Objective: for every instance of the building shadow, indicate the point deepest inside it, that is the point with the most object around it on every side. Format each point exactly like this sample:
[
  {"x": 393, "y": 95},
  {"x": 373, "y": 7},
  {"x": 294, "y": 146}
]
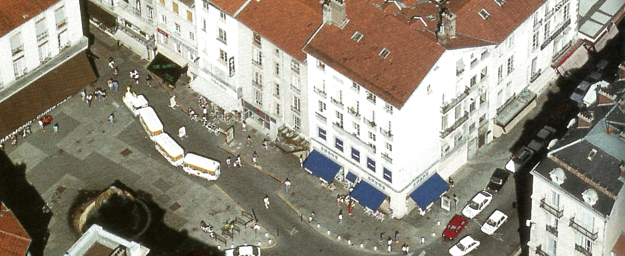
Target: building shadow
[{"x": 24, "y": 200}]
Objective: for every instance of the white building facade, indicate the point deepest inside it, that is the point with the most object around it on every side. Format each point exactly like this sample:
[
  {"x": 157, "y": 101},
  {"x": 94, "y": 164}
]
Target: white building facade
[{"x": 176, "y": 33}]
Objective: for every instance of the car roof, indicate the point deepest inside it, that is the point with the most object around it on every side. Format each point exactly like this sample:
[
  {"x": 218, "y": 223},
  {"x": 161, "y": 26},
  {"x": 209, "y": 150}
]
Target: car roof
[
  {"x": 480, "y": 196},
  {"x": 466, "y": 240},
  {"x": 497, "y": 214},
  {"x": 501, "y": 173},
  {"x": 457, "y": 220}
]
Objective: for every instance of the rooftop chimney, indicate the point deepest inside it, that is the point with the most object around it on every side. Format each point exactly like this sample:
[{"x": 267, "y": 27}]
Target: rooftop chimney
[
  {"x": 584, "y": 119},
  {"x": 622, "y": 168},
  {"x": 621, "y": 70},
  {"x": 334, "y": 12},
  {"x": 605, "y": 97},
  {"x": 446, "y": 27}
]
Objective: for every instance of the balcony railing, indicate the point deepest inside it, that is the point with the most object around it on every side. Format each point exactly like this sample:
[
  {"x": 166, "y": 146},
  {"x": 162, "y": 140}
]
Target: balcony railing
[
  {"x": 583, "y": 230},
  {"x": 371, "y": 123},
  {"x": 552, "y": 230},
  {"x": 321, "y": 118},
  {"x": 535, "y": 76},
  {"x": 538, "y": 24},
  {"x": 320, "y": 92},
  {"x": 295, "y": 109},
  {"x": 386, "y": 133},
  {"x": 17, "y": 50},
  {"x": 42, "y": 35},
  {"x": 446, "y": 107},
  {"x": 61, "y": 23},
  {"x": 387, "y": 158},
  {"x": 457, "y": 124},
  {"x": 257, "y": 83},
  {"x": 551, "y": 209},
  {"x": 540, "y": 252},
  {"x": 336, "y": 102},
  {"x": 583, "y": 250},
  {"x": 136, "y": 11},
  {"x": 353, "y": 112}
]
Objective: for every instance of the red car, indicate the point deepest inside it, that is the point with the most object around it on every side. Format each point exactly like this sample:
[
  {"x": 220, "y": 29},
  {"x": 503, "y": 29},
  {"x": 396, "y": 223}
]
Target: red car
[{"x": 456, "y": 224}]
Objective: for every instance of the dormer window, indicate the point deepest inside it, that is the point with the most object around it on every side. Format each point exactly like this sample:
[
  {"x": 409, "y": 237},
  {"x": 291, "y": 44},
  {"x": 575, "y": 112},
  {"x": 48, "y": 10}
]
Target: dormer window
[
  {"x": 500, "y": 2},
  {"x": 384, "y": 53},
  {"x": 592, "y": 154},
  {"x": 357, "y": 36},
  {"x": 484, "y": 14}
]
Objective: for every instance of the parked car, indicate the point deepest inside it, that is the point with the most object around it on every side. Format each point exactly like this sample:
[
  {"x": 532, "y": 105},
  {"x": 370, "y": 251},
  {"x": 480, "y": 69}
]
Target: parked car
[
  {"x": 465, "y": 246},
  {"x": 542, "y": 137},
  {"x": 455, "y": 225},
  {"x": 243, "y": 250},
  {"x": 519, "y": 159},
  {"x": 498, "y": 179},
  {"x": 495, "y": 220},
  {"x": 477, "y": 204}
]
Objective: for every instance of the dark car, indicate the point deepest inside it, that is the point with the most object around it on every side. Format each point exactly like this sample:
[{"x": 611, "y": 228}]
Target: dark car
[
  {"x": 498, "y": 179},
  {"x": 456, "y": 224}
]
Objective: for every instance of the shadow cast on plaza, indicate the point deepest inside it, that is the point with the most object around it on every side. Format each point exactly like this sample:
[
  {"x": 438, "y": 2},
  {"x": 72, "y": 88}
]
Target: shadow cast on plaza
[{"x": 25, "y": 202}]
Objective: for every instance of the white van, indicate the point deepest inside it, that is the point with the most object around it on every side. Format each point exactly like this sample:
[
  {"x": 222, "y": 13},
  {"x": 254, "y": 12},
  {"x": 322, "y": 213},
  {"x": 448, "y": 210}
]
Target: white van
[
  {"x": 134, "y": 102},
  {"x": 150, "y": 122},
  {"x": 169, "y": 149},
  {"x": 201, "y": 166}
]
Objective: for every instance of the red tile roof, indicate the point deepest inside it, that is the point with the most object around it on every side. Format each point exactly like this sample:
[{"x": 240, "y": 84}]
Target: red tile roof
[
  {"x": 286, "y": 23},
  {"x": 12, "y": 12},
  {"x": 393, "y": 79},
  {"x": 229, "y": 6},
  {"x": 14, "y": 241},
  {"x": 619, "y": 247}
]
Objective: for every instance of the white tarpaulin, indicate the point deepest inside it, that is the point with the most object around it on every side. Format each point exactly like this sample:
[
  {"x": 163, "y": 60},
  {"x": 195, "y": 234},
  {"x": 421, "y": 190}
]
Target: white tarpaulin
[{"x": 217, "y": 92}]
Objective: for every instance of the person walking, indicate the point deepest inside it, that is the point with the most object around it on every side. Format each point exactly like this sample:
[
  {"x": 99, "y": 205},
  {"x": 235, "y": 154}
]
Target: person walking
[
  {"x": 89, "y": 99},
  {"x": 404, "y": 249},
  {"x": 115, "y": 72},
  {"x": 238, "y": 161},
  {"x": 111, "y": 118},
  {"x": 115, "y": 84},
  {"x": 243, "y": 126},
  {"x": 389, "y": 242},
  {"x": 341, "y": 217},
  {"x": 396, "y": 236},
  {"x": 55, "y": 128},
  {"x": 111, "y": 62},
  {"x": 264, "y": 144},
  {"x": 228, "y": 161},
  {"x": 148, "y": 80},
  {"x": 249, "y": 141},
  {"x": 255, "y": 158},
  {"x": 455, "y": 199},
  {"x": 301, "y": 161},
  {"x": 266, "y": 201},
  {"x": 350, "y": 208},
  {"x": 83, "y": 94},
  {"x": 103, "y": 94},
  {"x": 287, "y": 184}
]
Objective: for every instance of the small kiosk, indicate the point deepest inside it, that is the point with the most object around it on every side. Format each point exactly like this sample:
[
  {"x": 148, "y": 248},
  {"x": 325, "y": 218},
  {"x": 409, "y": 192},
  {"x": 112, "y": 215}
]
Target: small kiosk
[
  {"x": 169, "y": 149},
  {"x": 150, "y": 122},
  {"x": 134, "y": 102},
  {"x": 201, "y": 166}
]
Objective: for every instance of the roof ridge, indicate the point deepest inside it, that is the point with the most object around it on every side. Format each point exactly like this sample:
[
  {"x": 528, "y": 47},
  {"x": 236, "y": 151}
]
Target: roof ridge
[
  {"x": 583, "y": 177},
  {"x": 15, "y": 235}
]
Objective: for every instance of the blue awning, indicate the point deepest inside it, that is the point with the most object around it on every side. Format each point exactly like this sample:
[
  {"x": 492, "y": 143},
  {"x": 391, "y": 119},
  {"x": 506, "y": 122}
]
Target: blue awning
[
  {"x": 368, "y": 195},
  {"x": 429, "y": 191},
  {"x": 321, "y": 166},
  {"x": 351, "y": 177}
]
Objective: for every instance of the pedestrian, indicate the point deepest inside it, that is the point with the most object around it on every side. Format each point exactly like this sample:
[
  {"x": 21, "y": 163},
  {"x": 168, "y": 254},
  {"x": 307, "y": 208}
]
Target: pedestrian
[
  {"x": 83, "y": 93},
  {"x": 111, "y": 118},
  {"x": 103, "y": 94},
  {"x": 396, "y": 236},
  {"x": 255, "y": 158},
  {"x": 451, "y": 182},
  {"x": 266, "y": 201},
  {"x": 338, "y": 201},
  {"x": 55, "y": 128},
  {"x": 265, "y": 142},
  {"x": 89, "y": 99},
  {"x": 404, "y": 249},
  {"x": 111, "y": 62},
  {"x": 228, "y": 161},
  {"x": 148, "y": 80},
  {"x": 238, "y": 162},
  {"x": 249, "y": 141},
  {"x": 43, "y": 129},
  {"x": 389, "y": 242},
  {"x": 287, "y": 184},
  {"x": 115, "y": 72},
  {"x": 350, "y": 208},
  {"x": 243, "y": 126},
  {"x": 341, "y": 217},
  {"x": 301, "y": 161},
  {"x": 455, "y": 199},
  {"x": 98, "y": 93},
  {"x": 115, "y": 84}
]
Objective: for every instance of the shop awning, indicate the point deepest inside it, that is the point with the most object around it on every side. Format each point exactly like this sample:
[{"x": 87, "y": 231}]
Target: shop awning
[
  {"x": 166, "y": 69},
  {"x": 368, "y": 196},
  {"x": 218, "y": 92},
  {"x": 321, "y": 166},
  {"x": 101, "y": 15},
  {"x": 351, "y": 177},
  {"x": 429, "y": 191}
]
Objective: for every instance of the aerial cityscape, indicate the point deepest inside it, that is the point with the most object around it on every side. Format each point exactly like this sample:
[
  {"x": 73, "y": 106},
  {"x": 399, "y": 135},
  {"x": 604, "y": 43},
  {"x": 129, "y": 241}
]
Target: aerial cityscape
[{"x": 312, "y": 127}]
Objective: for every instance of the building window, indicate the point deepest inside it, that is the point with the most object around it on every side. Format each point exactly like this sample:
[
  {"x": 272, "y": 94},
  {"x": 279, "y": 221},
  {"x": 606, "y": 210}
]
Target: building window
[
  {"x": 40, "y": 29},
  {"x": 297, "y": 123},
  {"x": 388, "y": 175},
  {"x": 18, "y": 67},
  {"x": 277, "y": 68},
  {"x": 321, "y": 65},
  {"x": 164, "y": 18},
  {"x": 483, "y": 73},
  {"x": 203, "y": 24},
  {"x": 150, "y": 12},
  {"x": 295, "y": 66},
  {"x": 258, "y": 78},
  {"x": 500, "y": 74},
  {"x": 221, "y": 35},
  {"x": 384, "y": 53},
  {"x": 277, "y": 90},
  {"x": 510, "y": 64},
  {"x": 223, "y": 56},
  {"x": 296, "y": 103},
  {"x": 258, "y": 95},
  {"x": 295, "y": 81},
  {"x": 177, "y": 27},
  {"x": 389, "y": 108},
  {"x": 473, "y": 81},
  {"x": 191, "y": 36},
  {"x": 547, "y": 25},
  {"x": 338, "y": 144},
  {"x": 356, "y": 155},
  {"x": 257, "y": 57},
  {"x": 339, "y": 116},
  {"x": 372, "y": 136},
  {"x": 59, "y": 15},
  {"x": 551, "y": 246},
  {"x": 389, "y": 146},
  {"x": 356, "y": 86},
  {"x": 322, "y": 106},
  {"x": 257, "y": 39},
  {"x": 205, "y": 4},
  {"x": 189, "y": 16},
  {"x": 371, "y": 97},
  {"x": 322, "y": 134},
  {"x": 535, "y": 41},
  {"x": 511, "y": 41},
  {"x": 222, "y": 15},
  {"x": 533, "y": 66},
  {"x": 16, "y": 44},
  {"x": 174, "y": 7},
  {"x": 357, "y": 128},
  {"x": 371, "y": 164},
  {"x": 277, "y": 108},
  {"x": 44, "y": 54}
]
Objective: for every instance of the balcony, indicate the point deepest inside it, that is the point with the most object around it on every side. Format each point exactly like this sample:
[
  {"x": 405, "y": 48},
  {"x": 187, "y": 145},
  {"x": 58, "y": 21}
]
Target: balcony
[
  {"x": 295, "y": 109},
  {"x": 336, "y": 102},
  {"x": 61, "y": 23},
  {"x": 583, "y": 250},
  {"x": 295, "y": 88},
  {"x": 386, "y": 133},
  {"x": 387, "y": 158},
  {"x": 320, "y": 92},
  {"x": 540, "y": 252},
  {"x": 371, "y": 123},
  {"x": 353, "y": 112},
  {"x": 17, "y": 50},
  {"x": 538, "y": 25},
  {"x": 457, "y": 124},
  {"x": 41, "y": 36},
  {"x": 535, "y": 76},
  {"x": 257, "y": 84},
  {"x": 446, "y": 107},
  {"x": 552, "y": 230},
  {"x": 257, "y": 62},
  {"x": 583, "y": 230},
  {"x": 321, "y": 118},
  {"x": 136, "y": 11},
  {"x": 338, "y": 127},
  {"x": 551, "y": 209}
]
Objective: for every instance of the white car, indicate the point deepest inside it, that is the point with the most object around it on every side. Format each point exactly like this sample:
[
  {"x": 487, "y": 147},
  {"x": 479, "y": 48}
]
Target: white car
[
  {"x": 466, "y": 245},
  {"x": 477, "y": 204},
  {"x": 494, "y": 222},
  {"x": 243, "y": 250}
]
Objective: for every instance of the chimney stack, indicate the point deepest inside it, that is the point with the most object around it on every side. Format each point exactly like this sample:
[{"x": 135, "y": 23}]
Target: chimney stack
[
  {"x": 621, "y": 70},
  {"x": 605, "y": 97},
  {"x": 446, "y": 27},
  {"x": 622, "y": 169},
  {"x": 334, "y": 12},
  {"x": 584, "y": 119}
]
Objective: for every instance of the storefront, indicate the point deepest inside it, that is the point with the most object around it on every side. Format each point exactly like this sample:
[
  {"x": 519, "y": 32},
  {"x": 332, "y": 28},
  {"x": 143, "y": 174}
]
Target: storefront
[
  {"x": 253, "y": 113},
  {"x": 217, "y": 92},
  {"x": 166, "y": 69}
]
